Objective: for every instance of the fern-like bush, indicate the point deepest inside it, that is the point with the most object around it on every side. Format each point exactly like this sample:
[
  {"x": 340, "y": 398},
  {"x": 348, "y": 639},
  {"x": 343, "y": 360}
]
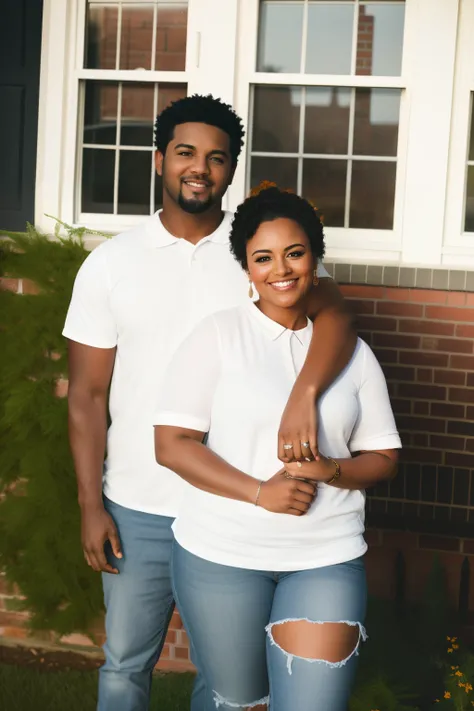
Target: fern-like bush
[{"x": 39, "y": 518}]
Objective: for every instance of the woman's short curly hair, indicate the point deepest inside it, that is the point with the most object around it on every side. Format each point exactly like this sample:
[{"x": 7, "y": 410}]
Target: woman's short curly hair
[{"x": 268, "y": 205}]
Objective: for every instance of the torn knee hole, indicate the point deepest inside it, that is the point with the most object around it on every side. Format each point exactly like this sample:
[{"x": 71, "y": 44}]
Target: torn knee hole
[
  {"x": 259, "y": 705},
  {"x": 332, "y": 643}
]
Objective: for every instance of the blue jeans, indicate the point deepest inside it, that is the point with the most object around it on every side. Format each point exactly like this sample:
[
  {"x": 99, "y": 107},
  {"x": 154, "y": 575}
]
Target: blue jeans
[
  {"x": 229, "y": 613},
  {"x": 139, "y": 604}
]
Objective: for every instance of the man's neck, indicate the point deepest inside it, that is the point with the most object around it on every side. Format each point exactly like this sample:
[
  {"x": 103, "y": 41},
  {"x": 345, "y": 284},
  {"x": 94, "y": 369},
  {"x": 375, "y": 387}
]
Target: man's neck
[{"x": 190, "y": 227}]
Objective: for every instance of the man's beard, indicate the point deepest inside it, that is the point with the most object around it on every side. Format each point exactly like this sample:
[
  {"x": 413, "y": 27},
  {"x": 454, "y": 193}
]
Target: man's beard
[{"x": 194, "y": 207}]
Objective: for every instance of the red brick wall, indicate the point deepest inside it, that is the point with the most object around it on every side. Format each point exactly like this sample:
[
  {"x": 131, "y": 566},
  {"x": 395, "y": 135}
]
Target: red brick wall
[{"x": 424, "y": 341}]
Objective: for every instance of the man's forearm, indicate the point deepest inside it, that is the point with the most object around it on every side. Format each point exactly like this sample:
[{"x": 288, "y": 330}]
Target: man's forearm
[
  {"x": 331, "y": 348},
  {"x": 87, "y": 437}
]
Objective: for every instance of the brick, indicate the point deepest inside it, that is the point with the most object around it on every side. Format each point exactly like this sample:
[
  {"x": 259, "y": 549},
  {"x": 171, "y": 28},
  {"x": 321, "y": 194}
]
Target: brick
[
  {"x": 462, "y": 362},
  {"x": 181, "y": 652},
  {"x": 469, "y": 379},
  {"x": 461, "y": 428},
  {"x": 397, "y": 294},
  {"x": 61, "y": 387},
  {"x": 441, "y": 409},
  {"x": 376, "y": 323},
  {"x": 29, "y": 287},
  {"x": 450, "y": 377},
  {"x": 449, "y": 313},
  {"x": 424, "y": 456},
  {"x": 424, "y": 392},
  {"x": 171, "y": 636},
  {"x": 166, "y": 652},
  {"x": 457, "y": 459},
  {"x": 176, "y": 39},
  {"x": 400, "y": 539},
  {"x": 440, "y": 543},
  {"x": 470, "y": 445},
  {"x": 13, "y": 632},
  {"x": 451, "y": 345},
  {"x": 385, "y": 355},
  {"x": 9, "y": 284},
  {"x": 422, "y": 424},
  {"x": 396, "y": 340},
  {"x": 461, "y": 395},
  {"x": 176, "y": 623},
  {"x": 428, "y": 296},
  {"x": 464, "y": 331},
  {"x": 362, "y": 306},
  {"x": 397, "y": 308},
  {"x": 468, "y": 547},
  {"x": 456, "y": 298},
  {"x": 401, "y": 407},
  {"x": 470, "y": 413},
  {"x": 373, "y": 537},
  {"x": 77, "y": 640},
  {"x": 396, "y": 372},
  {"x": 360, "y": 291},
  {"x": 424, "y": 375},
  {"x": 445, "y": 442},
  {"x": 418, "y": 440},
  {"x": 436, "y": 328},
  {"x": 421, "y": 408},
  {"x": 437, "y": 360},
  {"x": 13, "y": 619},
  {"x": 469, "y": 299}
]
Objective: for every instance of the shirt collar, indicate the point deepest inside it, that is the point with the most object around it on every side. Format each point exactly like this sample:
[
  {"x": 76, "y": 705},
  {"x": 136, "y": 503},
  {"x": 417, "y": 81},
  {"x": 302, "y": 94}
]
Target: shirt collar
[
  {"x": 275, "y": 330},
  {"x": 158, "y": 236}
]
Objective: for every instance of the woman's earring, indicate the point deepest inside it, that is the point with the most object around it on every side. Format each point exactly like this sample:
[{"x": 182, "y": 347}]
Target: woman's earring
[
  {"x": 315, "y": 278},
  {"x": 250, "y": 290}
]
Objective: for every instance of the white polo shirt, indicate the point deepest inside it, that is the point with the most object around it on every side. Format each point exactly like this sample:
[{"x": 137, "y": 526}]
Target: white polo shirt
[
  {"x": 143, "y": 291},
  {"x": 232, "y": 378}
]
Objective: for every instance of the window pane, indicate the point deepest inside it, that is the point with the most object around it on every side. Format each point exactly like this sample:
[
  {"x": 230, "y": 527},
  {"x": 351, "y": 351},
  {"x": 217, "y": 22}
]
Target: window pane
[
  {"x": 137, "y": 115},
  {"x": 136, "y": 36},
  {"x": 134, "y": 182},
  {"x": 372, "y": 195},
  {"x": 469, "y": 222},
  {"x": 471, "y": 142},
  {"x": 329, "y": 42},
  {"x": 324, "y": 183},
  {"x": 326, "y": 128},
  {"x": 171, "y": 37},
  {"x": 101, "y": 41},
  {"x": 280, "y": 37},
  {"x": 276, "y": 119},
  {"x": 377, "y": 114},
  {"x": 98, "y": 180},
  {"x": 380, "y": 39},
  {"x": 100, "y": 112},
  {"x": 170, "y": 92},
  {"x": 282, "y": 171}
]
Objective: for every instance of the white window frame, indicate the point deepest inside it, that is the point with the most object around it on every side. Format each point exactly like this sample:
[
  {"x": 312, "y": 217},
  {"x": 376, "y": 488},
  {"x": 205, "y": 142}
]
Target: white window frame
[
  {"x": 459, "y": 245},
  {"x": 212, "y": 28},
  {"x": 427, "y": 68}
]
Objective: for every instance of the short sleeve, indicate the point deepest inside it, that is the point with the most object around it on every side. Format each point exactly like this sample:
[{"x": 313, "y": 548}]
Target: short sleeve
[
  {"x": 189, "y": 383},
  {"x": 375, "y": 427},
  {"x": 89, "y": 319},
  {"x": 321, "y": 272}
]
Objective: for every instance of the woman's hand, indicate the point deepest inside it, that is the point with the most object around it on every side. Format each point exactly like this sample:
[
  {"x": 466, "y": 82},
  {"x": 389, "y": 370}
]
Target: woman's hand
[
  {"x": 299, "y": 426},
  {"x": 286, "y": 495},
  {"x": 318, "y": 471}
]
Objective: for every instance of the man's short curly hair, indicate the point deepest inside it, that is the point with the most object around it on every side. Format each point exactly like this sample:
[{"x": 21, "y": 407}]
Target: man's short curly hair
[
  {"x": 200, "y": 109},
  {"x": 268, "y": 205}
]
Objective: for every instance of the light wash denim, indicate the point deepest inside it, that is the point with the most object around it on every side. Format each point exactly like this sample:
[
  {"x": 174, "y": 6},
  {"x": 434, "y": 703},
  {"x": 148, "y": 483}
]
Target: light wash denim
[
  {"x": 229, "y": 614},
  {"x": 139, "y": 604}
]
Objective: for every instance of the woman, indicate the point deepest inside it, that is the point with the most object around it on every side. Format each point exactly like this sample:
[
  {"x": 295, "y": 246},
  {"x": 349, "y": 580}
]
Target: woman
[{"x": 268, "y": 562}]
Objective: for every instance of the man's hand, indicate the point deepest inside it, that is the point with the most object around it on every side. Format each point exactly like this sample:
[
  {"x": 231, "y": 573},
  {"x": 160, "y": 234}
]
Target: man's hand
[
  {"x": 299, "y": 427},
  {"x": 285, "y": 495},
  {"x": 321, "y": 470},
  {"x": 97, "y": 527}
]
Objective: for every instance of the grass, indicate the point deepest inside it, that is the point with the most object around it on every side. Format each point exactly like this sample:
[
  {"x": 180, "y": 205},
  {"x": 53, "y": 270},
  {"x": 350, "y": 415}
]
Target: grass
[{"x": 23, "y": 689}]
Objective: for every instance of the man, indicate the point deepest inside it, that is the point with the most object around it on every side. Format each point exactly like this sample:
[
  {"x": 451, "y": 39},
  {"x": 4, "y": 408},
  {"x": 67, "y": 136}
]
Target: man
[{"x": 135, "y": 299}]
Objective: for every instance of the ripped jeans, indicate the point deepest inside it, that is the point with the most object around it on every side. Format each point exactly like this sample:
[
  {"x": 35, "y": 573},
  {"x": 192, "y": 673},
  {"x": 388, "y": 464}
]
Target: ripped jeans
[{"x": 230, "y": 614}]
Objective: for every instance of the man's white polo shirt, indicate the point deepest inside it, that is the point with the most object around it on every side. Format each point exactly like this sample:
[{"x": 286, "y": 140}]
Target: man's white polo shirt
[{"x": 143, "y": 291}]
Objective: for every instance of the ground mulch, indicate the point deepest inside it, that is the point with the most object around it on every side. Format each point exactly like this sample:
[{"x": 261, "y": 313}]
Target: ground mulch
[{"x": 47, "y": 660}]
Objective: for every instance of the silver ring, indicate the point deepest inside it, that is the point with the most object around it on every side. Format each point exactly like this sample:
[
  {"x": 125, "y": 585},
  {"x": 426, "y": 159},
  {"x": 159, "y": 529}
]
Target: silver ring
[
  {"x": 305, "y": 444},
  {"x": 287, "y": 446}
]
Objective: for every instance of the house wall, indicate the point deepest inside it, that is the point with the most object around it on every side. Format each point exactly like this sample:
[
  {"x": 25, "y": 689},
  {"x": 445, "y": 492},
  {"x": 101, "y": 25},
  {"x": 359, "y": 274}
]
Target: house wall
[{"x": 420, "y": 324}]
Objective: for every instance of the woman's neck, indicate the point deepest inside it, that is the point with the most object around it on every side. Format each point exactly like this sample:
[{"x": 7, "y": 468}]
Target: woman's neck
[{"x": 293, "y": 318}]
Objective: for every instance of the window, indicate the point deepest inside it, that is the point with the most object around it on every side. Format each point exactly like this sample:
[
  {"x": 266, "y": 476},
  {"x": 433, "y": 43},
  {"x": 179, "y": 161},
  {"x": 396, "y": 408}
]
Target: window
[
  {"x": 469, "y": 202},
  {"x": 116, "y": 174},
  {"x": 333, "y": 135}
]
